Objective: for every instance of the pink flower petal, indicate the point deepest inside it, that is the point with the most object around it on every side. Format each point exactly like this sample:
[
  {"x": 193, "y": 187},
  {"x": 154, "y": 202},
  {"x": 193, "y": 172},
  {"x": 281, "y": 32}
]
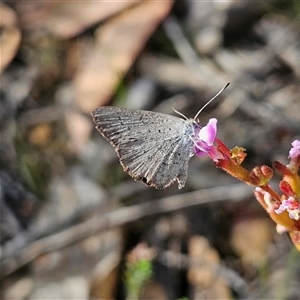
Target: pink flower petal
[
  {"x": 208, "y": 133},
  {"x": 295, "y": 150}
]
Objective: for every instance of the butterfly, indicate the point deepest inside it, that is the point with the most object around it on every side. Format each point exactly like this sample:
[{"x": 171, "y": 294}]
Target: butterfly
[{"x": 152, "y": 147}]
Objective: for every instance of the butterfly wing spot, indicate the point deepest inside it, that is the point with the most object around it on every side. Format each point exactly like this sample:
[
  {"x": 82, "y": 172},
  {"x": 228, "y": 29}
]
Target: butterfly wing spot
[
  {"x": 132, "y": 140},
  {"x": 143, "y": 179}
]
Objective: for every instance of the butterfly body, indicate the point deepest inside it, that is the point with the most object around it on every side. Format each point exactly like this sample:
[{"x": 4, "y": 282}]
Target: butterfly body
[{"x": 152, "y": 147}]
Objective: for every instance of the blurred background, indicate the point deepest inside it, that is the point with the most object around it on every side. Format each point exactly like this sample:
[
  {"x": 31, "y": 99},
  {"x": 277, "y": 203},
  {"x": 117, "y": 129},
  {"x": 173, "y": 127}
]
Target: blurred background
[{"x": 73, "y": 224}]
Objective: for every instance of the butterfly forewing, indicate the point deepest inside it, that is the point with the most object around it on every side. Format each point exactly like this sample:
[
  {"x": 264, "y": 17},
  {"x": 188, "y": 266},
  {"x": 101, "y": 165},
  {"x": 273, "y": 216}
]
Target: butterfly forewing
[{"x": 152, "y": 147}]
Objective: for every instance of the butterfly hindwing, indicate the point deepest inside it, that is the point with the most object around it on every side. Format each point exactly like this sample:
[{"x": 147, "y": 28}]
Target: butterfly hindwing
[{"x": 152, "y": 147}]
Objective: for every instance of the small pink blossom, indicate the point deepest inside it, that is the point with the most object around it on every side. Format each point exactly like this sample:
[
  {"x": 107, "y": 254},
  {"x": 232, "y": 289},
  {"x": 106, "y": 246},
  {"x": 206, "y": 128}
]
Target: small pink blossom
[
  {"x": 204, "y": 142},
  {"x": 294, "y": 153},
  {"x": 291, "y": 206}
]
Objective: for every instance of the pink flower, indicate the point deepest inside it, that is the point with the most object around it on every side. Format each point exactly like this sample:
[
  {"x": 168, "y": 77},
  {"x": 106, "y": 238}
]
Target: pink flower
[
  {"x": 204, "y": 141},
  {"x": 294, "y": 153},
  {"x": 291, "y": 206}
]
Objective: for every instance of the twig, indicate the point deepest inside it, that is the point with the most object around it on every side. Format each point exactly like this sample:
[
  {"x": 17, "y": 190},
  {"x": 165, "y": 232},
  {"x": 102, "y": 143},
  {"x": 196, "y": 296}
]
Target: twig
[
  {"x": 190, "y": 57},
  {"x": 117, "y": 218}
]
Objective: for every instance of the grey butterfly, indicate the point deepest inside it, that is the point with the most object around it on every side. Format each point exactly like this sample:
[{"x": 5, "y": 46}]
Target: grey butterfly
[{"x": 152, "y": 147}]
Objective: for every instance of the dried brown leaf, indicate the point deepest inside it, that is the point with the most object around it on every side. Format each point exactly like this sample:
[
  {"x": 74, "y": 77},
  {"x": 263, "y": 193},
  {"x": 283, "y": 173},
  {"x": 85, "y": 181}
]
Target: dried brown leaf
[
  {"x": 204, "y": 278},
  {"x": 79, "y": 128},
  {"x": 10, "y": 35},
  {"x": 67, "y": 19},
  {"x": 251, "y": 238},
  {"x": 117, "y": 45}
]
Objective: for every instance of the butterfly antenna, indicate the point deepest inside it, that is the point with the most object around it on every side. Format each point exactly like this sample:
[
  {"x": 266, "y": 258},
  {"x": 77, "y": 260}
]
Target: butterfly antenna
[
  {"x": 211, "y": 100},
  {"x": 181, "y": 114}
]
